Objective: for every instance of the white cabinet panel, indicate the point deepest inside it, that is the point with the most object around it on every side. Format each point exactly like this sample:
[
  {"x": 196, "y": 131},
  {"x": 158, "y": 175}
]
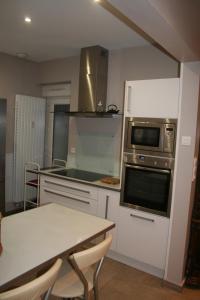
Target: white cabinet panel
[
  {"x": 108, "y": 208},
  {"x": 86, "y": 205},
  {"x": 155, "y": 98},
  {"x": 71, "y": 194},
  {"x": 68, "y": 186},
  {"x": 143, "y": 236}
]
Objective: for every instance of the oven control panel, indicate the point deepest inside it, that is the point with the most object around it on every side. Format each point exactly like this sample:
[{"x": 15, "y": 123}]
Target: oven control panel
[{"x": 150, "y": 161}]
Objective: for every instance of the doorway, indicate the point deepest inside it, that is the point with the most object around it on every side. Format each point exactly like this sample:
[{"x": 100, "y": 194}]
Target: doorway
[{"x": 60, "y": 132}]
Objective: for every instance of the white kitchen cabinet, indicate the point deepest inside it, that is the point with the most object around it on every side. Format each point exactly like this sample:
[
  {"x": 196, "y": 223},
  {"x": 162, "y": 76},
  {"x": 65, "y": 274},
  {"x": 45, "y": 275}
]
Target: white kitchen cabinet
[
  {"x": 143, "y": 236},
  {"x": 138, "y": 235},
  {"x": 70, "y": 194},
  {"x": 154, "y": 98},
  {"x": 72, "y": 187},
  {"x": 108, "y": 208}
]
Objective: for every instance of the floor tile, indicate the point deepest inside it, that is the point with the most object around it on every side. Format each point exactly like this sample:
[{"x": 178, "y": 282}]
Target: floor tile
[{"x": 120, "y": 282}]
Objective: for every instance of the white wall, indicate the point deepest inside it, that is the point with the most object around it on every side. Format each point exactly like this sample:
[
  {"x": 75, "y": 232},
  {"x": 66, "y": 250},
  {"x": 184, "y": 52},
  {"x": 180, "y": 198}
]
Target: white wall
[
  {"x": 183, "y": 177},
  {"x": 17, "y": 76}
]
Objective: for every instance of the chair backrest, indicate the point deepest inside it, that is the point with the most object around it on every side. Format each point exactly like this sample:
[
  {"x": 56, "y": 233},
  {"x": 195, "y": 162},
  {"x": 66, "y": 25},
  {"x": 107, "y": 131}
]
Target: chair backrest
[
  {"x": 35, "y": 288},
  {"x": 92, "y": 255}
]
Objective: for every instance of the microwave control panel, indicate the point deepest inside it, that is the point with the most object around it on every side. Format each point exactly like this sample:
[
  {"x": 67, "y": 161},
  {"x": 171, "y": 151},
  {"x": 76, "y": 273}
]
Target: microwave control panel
[{"x": 169, "y": 138}]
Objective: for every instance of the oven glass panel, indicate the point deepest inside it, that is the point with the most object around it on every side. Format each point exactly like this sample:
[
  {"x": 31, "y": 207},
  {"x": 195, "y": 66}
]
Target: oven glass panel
[
  {"x": 147, "y": 189},
  {"x": 145, "y": 136}
]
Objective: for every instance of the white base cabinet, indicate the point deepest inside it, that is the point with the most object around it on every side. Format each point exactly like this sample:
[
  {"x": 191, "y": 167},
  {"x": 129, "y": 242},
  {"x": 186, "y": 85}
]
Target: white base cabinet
[
  {"x": 86, "y": 198},
  {"x": 70, "y": 194},
  {"x": 143, "y": 236}
]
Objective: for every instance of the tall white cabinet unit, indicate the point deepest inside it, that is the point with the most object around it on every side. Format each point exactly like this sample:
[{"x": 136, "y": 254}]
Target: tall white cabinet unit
[
  {"x": 143, "y": 236},
  {"x": 155, "y": 98}
]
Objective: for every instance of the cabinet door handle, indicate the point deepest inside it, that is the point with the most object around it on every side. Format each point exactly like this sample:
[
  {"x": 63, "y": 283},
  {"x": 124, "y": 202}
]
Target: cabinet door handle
[
  {"x": 148, "y": 169},
  {"x": 143, "y": 218},
  {"x": 67, "y": 186},
  {"x": 129, "y": 99},
  {"x": 66, "y": 196},
  {"x": 106, "y": 211}
]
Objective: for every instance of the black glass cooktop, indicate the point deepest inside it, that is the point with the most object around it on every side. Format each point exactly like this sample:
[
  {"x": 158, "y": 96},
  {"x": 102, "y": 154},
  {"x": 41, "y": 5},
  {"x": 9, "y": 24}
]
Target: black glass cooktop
[{"x": 79, "y": 174}]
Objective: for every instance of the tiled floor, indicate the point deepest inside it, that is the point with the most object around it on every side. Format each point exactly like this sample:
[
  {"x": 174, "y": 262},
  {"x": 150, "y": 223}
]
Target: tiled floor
[{"x": 120, "y": 282}]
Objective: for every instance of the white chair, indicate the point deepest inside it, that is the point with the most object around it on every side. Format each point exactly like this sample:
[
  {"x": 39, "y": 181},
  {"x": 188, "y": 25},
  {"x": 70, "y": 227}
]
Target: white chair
[
  {"x": 83, "y": 278},
  {"x": 37, "y": 288}
]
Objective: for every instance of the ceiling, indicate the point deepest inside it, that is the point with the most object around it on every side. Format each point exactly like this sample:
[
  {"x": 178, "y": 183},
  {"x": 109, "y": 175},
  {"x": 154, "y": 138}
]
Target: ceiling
[
  {"x": 59, "y": 28},
  {"x": 172, "y": 24}
]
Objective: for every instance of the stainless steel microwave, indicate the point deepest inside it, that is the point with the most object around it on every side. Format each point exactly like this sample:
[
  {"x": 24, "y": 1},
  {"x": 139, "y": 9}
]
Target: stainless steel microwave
[{"x": 150, "y": 135}]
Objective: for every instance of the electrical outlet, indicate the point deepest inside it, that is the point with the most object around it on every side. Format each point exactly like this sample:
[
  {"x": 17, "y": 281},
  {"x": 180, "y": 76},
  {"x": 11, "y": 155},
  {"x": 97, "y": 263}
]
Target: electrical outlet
[
  {"x": 73, "y": 150},
  {"x": 186, "y": 140}
]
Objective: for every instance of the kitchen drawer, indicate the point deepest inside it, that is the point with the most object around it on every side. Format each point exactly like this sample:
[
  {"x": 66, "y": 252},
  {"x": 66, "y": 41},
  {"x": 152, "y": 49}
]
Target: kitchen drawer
[
  {"x": 86, "y": 205},
  {"x": 68, "y": 186},
  {"x": 143, "y": 236}
]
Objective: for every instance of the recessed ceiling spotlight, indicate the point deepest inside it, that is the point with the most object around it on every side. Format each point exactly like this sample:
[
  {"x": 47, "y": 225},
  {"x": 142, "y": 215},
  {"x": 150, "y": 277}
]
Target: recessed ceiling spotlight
[
  {"x": 27, "y": 19},
  {"x": 97, "y": 0}
]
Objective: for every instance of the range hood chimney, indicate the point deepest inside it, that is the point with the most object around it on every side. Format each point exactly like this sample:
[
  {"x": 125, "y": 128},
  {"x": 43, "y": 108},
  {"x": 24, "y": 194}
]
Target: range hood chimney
[{"x": 93, "y": 79}]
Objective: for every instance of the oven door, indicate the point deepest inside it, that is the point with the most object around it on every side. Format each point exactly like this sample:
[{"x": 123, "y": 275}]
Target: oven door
[
  {"x": 147, "y": 189},
  {"x": 144, "y": 136}
]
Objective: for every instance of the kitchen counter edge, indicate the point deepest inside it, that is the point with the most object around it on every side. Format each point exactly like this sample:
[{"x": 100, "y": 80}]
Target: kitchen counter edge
[{"x": 98, "y": 183}]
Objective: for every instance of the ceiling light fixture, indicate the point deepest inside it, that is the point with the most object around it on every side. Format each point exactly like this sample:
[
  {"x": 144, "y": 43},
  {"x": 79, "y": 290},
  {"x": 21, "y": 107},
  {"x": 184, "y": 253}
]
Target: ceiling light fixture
[
  {"x": 97, "y": 0},
  {"x": 27, "y": 19}
]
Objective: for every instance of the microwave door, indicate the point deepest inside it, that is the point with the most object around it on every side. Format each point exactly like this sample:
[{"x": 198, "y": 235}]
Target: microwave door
[{"x": 143, "y": 136}]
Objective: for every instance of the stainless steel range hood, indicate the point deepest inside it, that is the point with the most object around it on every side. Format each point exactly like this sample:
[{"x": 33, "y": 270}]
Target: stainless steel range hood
[
  {"x": 93, "y": 79},
  {"x": 93, "y": 83}
]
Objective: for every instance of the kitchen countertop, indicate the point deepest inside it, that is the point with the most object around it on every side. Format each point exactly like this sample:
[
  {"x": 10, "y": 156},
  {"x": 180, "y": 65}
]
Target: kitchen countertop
[
  {"x": 97, "y": 183},
  {"x": 55, "y": 231}
]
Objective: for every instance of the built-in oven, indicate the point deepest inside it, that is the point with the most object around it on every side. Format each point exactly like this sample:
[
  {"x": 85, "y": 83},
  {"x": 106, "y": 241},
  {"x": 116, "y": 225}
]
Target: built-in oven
[
  {"x": 150, "y": 135},
  {"x": 147, "y": 183}
]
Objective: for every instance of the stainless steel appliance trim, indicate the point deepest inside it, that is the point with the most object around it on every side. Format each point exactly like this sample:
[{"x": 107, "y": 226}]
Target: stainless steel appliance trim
[
  {"x": 143, "y": 218},
  {"x": 151, "y": 122},
  {"x": 106, "y": 211},
  {"x": 69, "y": 187},
  {"x": 66, "y": 196},
  {"x": 149, "y": 160},
  {"x": 157, "y": 170}
]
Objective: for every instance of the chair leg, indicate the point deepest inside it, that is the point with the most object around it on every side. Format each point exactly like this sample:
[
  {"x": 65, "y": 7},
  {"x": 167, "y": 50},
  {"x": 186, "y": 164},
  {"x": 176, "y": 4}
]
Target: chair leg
[{"x": 96, "y": 293}]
